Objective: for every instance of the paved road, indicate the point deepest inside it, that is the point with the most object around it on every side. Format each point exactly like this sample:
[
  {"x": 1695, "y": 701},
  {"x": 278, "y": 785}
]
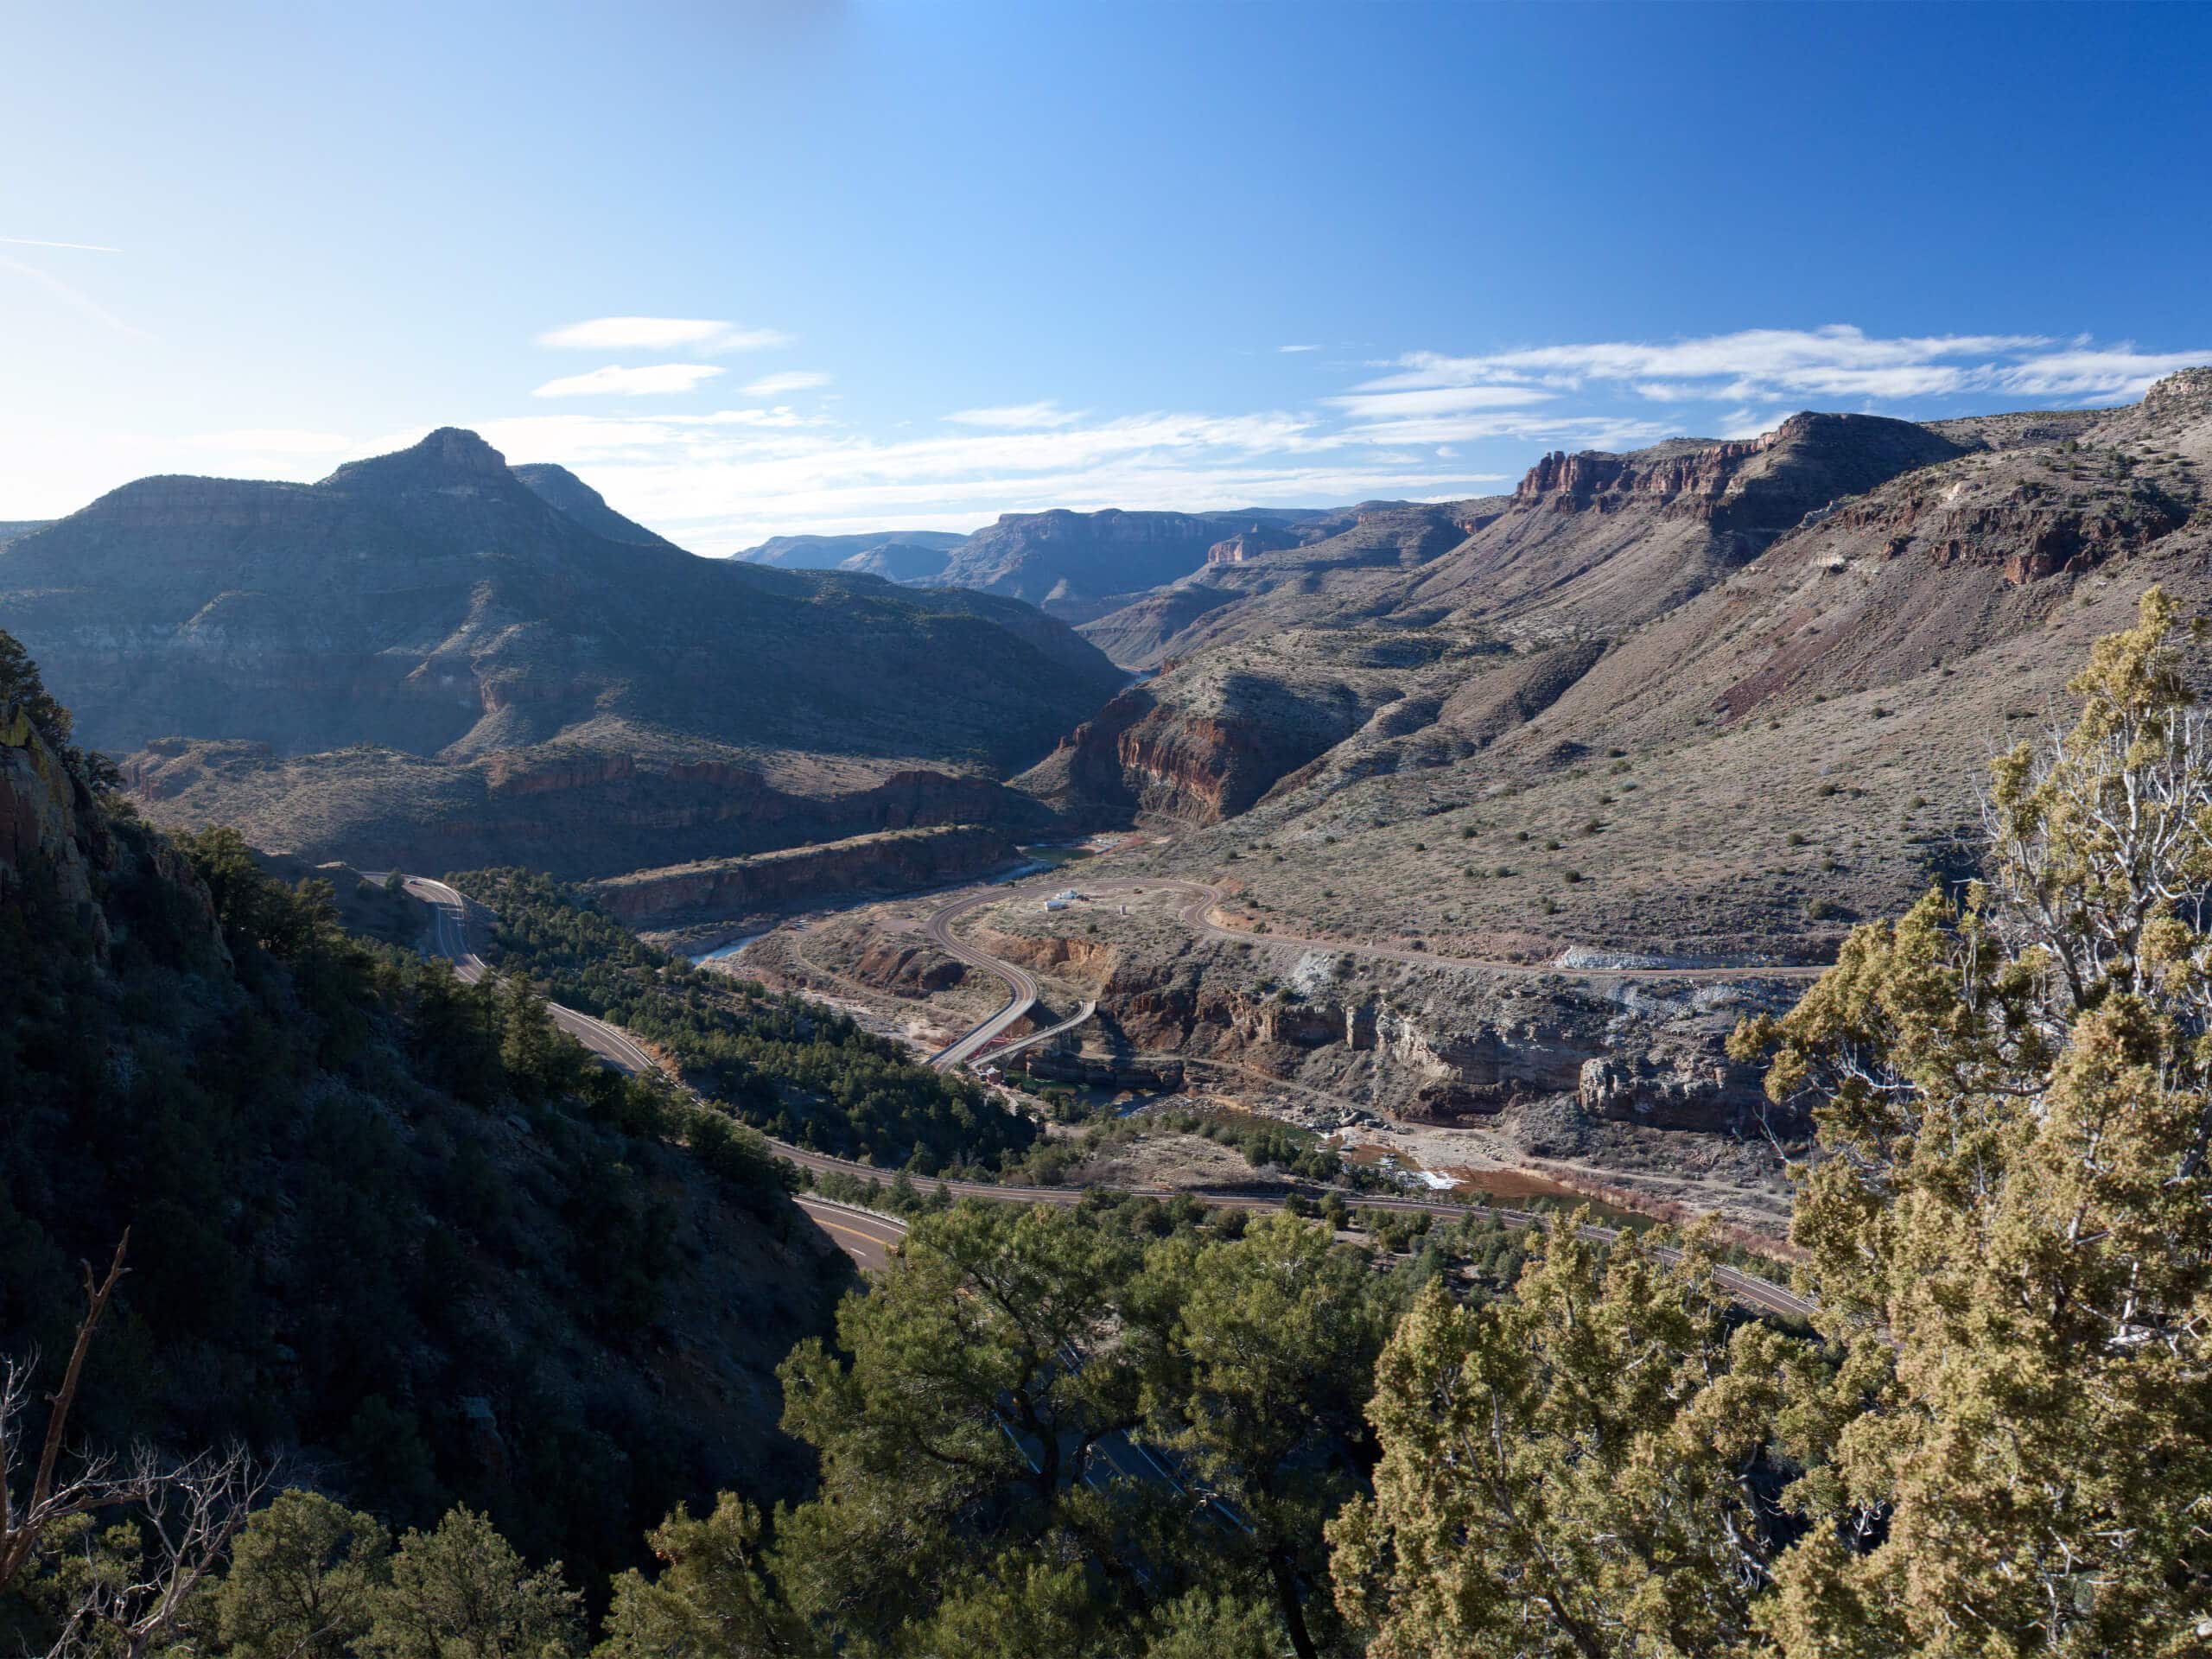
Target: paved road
[
  {"x": 1046, "y": 1035},
  {"x": 872, "y": 1232},
  {"x": 866, "y": 1237},
  {"x": 449, "y": 913},
  {"x": 1020, "y": 983}
]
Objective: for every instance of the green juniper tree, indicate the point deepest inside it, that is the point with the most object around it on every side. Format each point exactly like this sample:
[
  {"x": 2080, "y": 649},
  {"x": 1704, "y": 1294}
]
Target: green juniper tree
[
  {"x": 2009, "y": 1223},
  {"x": 1575, "y": 1470}
]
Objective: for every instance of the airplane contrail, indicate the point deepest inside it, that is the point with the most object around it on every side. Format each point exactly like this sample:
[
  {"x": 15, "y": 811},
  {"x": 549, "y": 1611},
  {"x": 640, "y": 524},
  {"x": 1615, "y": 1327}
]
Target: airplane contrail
[{"x": 77, "y": 247}]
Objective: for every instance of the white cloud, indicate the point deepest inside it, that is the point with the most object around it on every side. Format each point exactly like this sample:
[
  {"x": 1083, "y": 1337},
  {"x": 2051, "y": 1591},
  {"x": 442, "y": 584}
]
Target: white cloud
[
  {"x": 1836, "y": 364},
  {"x": 661, "y": 335},
  {"x": 614, "y": 381},
  {"x": 1017, "y": 414},
  {"x": 1298, "y": 348},
  {"x": 2115, "y": 374},
  {"x": 1437, "y": 400},
  {"x": 73, "y": 247},
  {"x": 771, "y": 385},
  {"x": 1586, "y": 431}
]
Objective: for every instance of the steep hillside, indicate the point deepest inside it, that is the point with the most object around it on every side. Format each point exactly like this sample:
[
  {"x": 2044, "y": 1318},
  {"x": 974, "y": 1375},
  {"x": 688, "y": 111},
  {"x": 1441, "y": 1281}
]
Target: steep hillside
[
  {"x": 1656, "y": 703},
  {"x": 561, "y": 488},
  {"x": 426, "y": 652},
  {"x": 1073, "y": 565},
  {"x": 397, "y": 1231}
]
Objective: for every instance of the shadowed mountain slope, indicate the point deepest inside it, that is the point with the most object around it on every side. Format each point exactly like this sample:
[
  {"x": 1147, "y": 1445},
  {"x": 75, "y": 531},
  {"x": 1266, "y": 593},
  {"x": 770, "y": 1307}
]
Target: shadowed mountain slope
[
  {"x": 564, "y": 490},
  {"x": 391, "y": 1230},
  {"x": 390, "y": 658}
]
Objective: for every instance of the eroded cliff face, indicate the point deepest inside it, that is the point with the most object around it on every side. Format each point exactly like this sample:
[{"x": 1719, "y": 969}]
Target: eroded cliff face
[
  {"x": 733, "y": 888},
  {"x": 2031, "y": 531},
  {"x": 1221, "y": 743},
  {"x": 1428, "y": 1049},
  {"x": 59, "y": 849},
  {"x": 1755, "y": 489},
  {"x": 48, "y": 829}
]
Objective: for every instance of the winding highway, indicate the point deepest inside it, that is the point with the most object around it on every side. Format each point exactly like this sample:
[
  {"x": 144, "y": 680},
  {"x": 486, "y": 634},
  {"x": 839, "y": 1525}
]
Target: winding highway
[
  {"x": 867, "y": 1236},
  {"x": 1020, "y": 983}
]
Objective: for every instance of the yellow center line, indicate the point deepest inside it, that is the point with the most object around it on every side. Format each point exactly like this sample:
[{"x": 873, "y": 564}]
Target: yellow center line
[{"x": 855, "y": 1232}]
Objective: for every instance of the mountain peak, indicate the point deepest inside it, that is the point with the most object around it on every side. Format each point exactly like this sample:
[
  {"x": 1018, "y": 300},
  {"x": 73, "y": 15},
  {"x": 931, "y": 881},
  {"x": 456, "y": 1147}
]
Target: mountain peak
[{"x": 450, "y": 450}]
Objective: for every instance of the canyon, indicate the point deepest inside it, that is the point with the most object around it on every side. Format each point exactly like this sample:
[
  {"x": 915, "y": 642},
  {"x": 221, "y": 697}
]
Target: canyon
[
  {"x": 1703, "y": 705},
  {"x": 1518, "y": 803}
]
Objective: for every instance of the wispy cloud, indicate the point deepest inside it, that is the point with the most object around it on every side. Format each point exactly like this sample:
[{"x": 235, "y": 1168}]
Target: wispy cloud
[
  {"x": 2095, "y": 374},
  {"x": 662, "y": 334},
  {"x": 1436, "y": 400},
  {"x": 615, "y": 381},
  {"x": 774, "y": 386},
  {"x": 83, "y": 304},
  {"x": 73, "y": 247},
  {"x": 1046, "y": 414},
  {"x": 1298, "y": 348},
  {"x": 1428, "y": 425},
  {"x": 1838, "y": 363}
]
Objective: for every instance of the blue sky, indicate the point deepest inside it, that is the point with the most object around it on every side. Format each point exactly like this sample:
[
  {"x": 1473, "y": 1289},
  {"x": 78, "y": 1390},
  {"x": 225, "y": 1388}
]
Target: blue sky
[{"x": 781, "y": 267}]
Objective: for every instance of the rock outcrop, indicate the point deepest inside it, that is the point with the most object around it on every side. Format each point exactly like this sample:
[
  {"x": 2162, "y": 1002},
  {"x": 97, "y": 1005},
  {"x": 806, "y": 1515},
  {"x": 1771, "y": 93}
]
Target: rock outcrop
[
  {"x": 48, "y": 832},
  {"x": 1452, "y": 1053},
  {"x": 1754, "y": 489}
]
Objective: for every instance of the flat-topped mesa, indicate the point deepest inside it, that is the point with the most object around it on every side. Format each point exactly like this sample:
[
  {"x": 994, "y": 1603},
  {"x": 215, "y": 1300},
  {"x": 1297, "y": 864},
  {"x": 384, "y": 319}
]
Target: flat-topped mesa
[
  {"x": 389, "y": 630},
  {"x": 1598, "y": 477},
  {"x": 175, "y": 502},
  {"x": 1755, "y": 489},
  {"x": 1842, "y": 450}
]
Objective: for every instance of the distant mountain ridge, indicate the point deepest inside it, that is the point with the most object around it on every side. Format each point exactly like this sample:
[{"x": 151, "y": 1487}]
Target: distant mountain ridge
[
  {"x": 402, "y": 656},
  {"x": 894, "y": 554},
  {"x": 1078, "y": 565}
]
